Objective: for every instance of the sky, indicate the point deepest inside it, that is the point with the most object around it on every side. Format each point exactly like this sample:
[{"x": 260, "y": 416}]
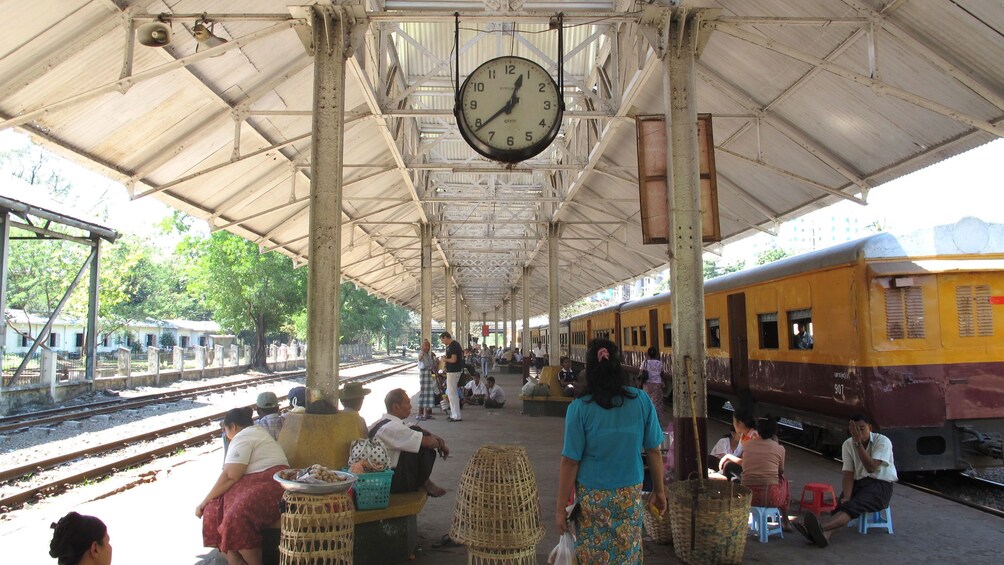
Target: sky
[{"x": 970, "y": 184}]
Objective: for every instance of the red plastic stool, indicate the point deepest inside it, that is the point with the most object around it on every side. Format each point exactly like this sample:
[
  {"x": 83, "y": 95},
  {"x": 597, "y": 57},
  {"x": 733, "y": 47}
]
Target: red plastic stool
[{"x": 818, "y": 503}]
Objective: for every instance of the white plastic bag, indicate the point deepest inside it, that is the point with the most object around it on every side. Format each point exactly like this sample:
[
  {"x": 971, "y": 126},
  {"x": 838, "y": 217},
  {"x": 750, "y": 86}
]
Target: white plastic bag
[{"x": 564, "y": 552}]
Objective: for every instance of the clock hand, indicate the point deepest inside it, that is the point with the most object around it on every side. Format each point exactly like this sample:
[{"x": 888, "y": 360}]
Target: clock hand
[{"x": 508, "y": 105}]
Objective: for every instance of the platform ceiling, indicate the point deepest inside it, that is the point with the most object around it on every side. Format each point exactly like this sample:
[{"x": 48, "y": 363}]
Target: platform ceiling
[{"x": 813, "y": 101}]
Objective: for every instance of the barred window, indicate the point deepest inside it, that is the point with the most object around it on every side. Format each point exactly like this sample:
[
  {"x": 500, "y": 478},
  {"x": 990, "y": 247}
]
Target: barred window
[
  {"x": 667, "y": 335},
  {"x": 768, "y": 330}
]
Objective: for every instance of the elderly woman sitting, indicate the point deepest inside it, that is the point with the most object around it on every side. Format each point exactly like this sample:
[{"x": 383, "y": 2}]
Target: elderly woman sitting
[{"x": 245, "y": 498}]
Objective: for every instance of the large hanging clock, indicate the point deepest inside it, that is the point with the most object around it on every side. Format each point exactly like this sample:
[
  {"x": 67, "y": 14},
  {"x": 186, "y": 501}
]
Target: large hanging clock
[{"x": 509, "y": 109}]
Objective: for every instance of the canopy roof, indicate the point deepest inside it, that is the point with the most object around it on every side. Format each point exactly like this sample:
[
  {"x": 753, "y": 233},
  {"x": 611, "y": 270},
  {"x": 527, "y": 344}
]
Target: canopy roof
[{"x": 813, "y": 101}]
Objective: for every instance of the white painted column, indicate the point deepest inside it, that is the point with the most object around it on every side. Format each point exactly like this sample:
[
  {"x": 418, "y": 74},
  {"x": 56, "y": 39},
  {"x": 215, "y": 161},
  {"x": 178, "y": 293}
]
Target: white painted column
[
  {"x": 685, "y": 246},
  {"x": 512, "y": 307},
  {"x": 553, "y": 299},
  {"x": 426, "y": 329},
  {"x": 525, "y": 344},
  {"x": 330, "y": 35},
  {"x": 448, "y": 302}
]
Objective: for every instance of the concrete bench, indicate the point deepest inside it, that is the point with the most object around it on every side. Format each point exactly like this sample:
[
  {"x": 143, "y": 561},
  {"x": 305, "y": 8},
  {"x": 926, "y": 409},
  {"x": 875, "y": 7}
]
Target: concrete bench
[
  {"x": 554, "y": 404},
  {"x": 389, "y": 535}
]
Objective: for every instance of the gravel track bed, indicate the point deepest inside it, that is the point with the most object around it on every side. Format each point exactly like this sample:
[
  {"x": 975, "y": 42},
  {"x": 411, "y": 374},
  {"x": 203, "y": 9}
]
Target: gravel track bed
[
  {"x": 958, "y": 486},
  {"x": 36, "y": 443}
]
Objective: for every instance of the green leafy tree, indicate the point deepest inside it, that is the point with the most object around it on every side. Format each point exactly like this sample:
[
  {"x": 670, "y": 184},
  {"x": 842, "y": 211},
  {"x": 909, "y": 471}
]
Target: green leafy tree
[
  {"x": 770, "y": 256},
  {"x": 247, "y": 290},
  {"x": 394, "y": 323},
  {"x": 713, "y": 269}
]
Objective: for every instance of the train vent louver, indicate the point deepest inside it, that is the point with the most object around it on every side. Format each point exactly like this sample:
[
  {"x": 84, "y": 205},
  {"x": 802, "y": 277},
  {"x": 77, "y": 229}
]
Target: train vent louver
[
  {"x": 984, "y": 313},
  {"x": 964, "y": 304},
  {"x": 904, "y": 312},
  {"x": 975, "y": 314}
]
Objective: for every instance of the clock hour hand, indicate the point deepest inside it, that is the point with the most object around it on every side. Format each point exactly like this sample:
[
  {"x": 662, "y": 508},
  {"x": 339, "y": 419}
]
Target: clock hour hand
[{"x": 508, "y": 105}]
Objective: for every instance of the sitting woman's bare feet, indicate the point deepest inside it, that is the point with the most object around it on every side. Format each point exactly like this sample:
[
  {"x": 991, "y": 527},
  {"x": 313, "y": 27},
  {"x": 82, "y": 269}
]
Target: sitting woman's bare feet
[{"x": 433, "y": 489}]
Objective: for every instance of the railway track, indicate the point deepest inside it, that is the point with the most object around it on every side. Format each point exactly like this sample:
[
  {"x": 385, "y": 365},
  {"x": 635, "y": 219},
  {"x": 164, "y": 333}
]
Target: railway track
[
  {"x": 79, "y": 411},
  {"x": 24, "y": 495}
]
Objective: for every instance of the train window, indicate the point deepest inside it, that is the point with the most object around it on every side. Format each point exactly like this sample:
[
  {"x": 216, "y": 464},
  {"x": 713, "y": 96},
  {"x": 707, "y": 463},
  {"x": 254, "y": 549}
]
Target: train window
[
  {"x": 643, "y": 336},
  {"x": 184, "y": 341},
  {"x": 714, "y": 332},
  {"x": 904, "y": 312},
  {"x": 976, "y": 318},
  {"x": 667, "y": 335},
  {"x": 24, "y": 340},
  {"x": 800, "y": 331},
  {"x": 768, "y": 330},
  {"x": 53, "y": 340},
  {"x": 627, "y": 337},
  {"x": 634, "y": 336},
  {"x": 78, "y": 340},
  {"x": 104, "y": 340}
]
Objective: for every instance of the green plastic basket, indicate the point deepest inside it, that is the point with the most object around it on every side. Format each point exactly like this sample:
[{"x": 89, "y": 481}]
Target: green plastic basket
[{"x": 373, "y": 490}]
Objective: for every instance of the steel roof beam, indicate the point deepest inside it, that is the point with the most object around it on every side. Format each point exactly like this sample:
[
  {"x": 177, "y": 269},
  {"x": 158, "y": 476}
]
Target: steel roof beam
[{"x": 794, "y": 176}]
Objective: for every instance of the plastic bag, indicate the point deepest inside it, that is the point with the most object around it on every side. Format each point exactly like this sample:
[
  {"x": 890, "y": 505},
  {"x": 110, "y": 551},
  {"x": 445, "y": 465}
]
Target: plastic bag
[
  {"x": 564, "y": 552},
  {"x": 371, "y": 450}
]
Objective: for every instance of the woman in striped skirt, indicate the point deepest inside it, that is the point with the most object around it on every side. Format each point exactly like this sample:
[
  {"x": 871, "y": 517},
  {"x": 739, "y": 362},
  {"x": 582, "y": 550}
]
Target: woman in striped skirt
[{"x": 427, "y": 393}]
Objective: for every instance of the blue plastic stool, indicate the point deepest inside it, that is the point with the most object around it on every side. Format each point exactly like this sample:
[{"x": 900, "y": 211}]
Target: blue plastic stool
[
  {"x": 881, "y": 520},
  {"x": 766, "y": 522}
]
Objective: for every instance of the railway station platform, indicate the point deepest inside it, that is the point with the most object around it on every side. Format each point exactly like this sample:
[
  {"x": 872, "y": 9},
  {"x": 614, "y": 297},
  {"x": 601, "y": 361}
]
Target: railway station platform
[{"x": 150, "y": 510}]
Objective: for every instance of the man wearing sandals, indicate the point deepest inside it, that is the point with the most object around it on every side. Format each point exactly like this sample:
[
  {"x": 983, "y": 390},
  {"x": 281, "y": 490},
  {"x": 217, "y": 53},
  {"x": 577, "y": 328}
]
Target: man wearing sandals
[{"x": 869, "y": 472}]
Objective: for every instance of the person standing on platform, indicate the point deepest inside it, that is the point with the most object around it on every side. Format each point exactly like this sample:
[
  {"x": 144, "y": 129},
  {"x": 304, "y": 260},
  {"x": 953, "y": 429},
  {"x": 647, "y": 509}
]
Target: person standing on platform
[
  {"x": 411, "y": 450},
  {"x": 868, "y": 474},
  {"x": 80, "y": 540},
  {"x": 650, "y": 374},
  {"x": 245, "y": 498},
  {"x": 605, "y": 431},
  {"x": 486, "y": 360},
  {"x": 427, "y": 386},
  {"x": 454, "y": 358}
]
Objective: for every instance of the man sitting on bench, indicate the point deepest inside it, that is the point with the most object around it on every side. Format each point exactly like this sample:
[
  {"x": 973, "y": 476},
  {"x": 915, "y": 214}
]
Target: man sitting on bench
[{"x": 411, "y": 450}]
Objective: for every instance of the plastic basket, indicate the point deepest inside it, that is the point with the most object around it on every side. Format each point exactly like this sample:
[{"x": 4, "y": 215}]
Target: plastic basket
[{"x": 373, "y": 490}]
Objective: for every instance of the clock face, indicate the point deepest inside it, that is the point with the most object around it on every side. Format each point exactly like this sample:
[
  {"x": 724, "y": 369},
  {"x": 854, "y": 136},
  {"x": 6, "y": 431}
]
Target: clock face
[{"x": 509, "y": 109}]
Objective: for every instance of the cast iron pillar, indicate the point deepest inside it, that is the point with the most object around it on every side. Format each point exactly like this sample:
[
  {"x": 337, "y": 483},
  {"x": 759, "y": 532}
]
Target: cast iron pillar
[
  {"x": 512, "y": 316},
  {"x": 91, "y": 333},
  {"x": 553, "y": 300},
  {"x": 330, "y": 50},
  {"x": 685, "y": 244}
]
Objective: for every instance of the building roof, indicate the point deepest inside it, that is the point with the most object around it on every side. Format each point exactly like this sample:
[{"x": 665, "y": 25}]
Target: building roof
[{"x": 814, "y": 101}]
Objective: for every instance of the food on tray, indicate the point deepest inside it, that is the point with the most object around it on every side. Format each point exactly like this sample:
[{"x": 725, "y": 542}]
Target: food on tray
[{"x": 315, "y": 474}]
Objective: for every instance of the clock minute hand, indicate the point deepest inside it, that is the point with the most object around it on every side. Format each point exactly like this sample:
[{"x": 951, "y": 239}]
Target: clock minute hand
[{"x": 508, "y": 105}]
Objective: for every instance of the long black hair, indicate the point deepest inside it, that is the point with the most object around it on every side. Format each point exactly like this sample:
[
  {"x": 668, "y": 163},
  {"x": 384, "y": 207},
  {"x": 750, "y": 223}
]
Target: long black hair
[
  {"x": 605, "y": 379},
  {"x": 73, "y": 535}
]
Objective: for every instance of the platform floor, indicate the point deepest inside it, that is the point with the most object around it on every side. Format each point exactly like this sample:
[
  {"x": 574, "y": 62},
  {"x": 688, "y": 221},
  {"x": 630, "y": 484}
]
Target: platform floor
[{"x": 150, "y": 510}]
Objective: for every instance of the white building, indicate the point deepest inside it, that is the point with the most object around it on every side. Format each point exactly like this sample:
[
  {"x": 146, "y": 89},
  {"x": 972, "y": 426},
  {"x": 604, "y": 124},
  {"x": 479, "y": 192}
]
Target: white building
[{"x": 67, "y": 333}]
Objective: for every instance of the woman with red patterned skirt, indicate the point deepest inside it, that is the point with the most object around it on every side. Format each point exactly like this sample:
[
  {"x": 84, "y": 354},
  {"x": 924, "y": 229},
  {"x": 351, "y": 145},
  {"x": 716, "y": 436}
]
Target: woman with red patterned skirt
[
  {"x": 245, "y": 498},
  {"x": 763, "y": 470}
]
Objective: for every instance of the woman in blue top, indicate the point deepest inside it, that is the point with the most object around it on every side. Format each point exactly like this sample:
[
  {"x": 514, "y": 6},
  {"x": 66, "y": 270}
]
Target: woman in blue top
[{"x": 605, "y": 432}]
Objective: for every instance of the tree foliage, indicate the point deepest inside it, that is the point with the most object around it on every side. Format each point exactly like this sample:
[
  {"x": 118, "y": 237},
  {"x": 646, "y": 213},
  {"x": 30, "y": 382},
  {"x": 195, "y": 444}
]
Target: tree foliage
[
  {"x": 713, "y": 269},
  {"x": 247, "y": 290},
  {"x": 770, "y": 256}
]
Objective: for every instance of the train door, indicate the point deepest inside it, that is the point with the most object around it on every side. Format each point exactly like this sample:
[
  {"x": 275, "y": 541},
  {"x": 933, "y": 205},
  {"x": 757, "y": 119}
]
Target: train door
[
  {"x": 738, "y": 345},
  {"x": 653, "y": 328}
]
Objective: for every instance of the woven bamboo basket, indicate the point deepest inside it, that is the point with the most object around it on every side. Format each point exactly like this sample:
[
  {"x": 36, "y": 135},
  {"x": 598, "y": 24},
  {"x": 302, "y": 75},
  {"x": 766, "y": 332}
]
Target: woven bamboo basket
[
  {"x": 498, "y": 505},
  {"x": 658, "y": 527},
  {"x": 484, "y": 556},
  {"x": 316, "y": 529},
  {"x": 715, "y": 513}
]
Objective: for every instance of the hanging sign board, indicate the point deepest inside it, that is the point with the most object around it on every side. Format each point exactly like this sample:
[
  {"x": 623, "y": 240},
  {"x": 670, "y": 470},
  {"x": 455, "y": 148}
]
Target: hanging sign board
[
  {"x": 652, "y": 180},
  {"x": 484, "y": 330}
]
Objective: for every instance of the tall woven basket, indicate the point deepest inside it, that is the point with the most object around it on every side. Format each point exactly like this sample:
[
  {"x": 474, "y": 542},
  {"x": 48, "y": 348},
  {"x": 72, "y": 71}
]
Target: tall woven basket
[
  {"x": 497, "y": 514},
  {"x": 709, "y": 520},
  {"x": 316, "y": 529},
  {"x": 659, "y": 527}
]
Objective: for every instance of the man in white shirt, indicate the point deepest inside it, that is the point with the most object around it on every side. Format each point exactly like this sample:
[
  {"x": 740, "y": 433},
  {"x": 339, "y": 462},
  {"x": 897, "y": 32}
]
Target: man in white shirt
[
  {"x": 495, "y": 397},
  {"x": 868, "y": 475},
  {"x": 475, "y": 391},
  {"x": 411, "y": 450}
]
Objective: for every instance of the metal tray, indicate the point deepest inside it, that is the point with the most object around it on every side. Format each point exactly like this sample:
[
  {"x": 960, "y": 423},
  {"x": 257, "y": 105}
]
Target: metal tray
[{"x": 317, "y": 488}]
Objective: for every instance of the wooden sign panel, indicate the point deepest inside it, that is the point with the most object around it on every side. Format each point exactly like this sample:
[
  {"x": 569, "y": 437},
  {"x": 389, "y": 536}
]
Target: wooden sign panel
[{"x": 652, "y": 188}]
